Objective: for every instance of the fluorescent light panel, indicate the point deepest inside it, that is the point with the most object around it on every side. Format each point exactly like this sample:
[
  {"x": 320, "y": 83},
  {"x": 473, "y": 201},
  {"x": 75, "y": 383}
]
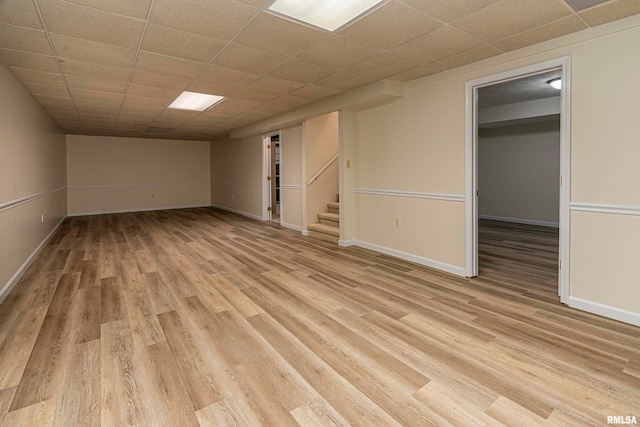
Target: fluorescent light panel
[
  {"x": 194, "y": 101},
  {"x": 327, "y": 14}
]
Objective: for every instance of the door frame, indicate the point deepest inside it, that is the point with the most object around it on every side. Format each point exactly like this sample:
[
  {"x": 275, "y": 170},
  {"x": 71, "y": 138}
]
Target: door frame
[
  {"x": 266, "y": 171},
  {"x": 471, "y": 163}
]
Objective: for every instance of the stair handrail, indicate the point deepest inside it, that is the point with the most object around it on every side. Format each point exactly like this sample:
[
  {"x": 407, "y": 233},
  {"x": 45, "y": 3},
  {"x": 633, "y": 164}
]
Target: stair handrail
[{"x": 316, "y": 176}]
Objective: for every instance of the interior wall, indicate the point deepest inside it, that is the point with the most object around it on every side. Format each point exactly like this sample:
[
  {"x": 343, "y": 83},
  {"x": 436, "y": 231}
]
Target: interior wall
[
  {"x": 33, "y": 196},
  {"x": 111, "y": 174},
  {"x": 415, "y": 149},
  {"x": 291, "y": 177},
  {"x": 321, "y": 139},
  {"x": 236, "y": 171},
  {"x": 519, "y": 173}
]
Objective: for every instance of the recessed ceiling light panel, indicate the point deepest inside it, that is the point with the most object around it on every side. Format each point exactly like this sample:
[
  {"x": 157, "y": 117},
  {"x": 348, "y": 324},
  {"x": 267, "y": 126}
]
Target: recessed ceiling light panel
[
  {"x": 194, "y": 101},
  {"x": 327, "y": 14}
]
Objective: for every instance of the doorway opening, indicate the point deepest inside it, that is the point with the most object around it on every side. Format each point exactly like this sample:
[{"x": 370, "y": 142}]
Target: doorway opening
[
  {"x": 271, "y": 158},
  {"x": 518, "y": 178},
  {"x": 275, "y": 181}
]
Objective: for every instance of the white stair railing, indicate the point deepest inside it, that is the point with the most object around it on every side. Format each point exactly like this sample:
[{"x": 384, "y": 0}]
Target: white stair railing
[{"x": 316, "y": 176}]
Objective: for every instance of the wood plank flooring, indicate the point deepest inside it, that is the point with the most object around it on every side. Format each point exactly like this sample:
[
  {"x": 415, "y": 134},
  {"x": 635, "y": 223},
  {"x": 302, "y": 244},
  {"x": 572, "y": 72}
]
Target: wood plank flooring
[
  {"x": 201, "y": 317},
  {"x": 522, "y": 257}
]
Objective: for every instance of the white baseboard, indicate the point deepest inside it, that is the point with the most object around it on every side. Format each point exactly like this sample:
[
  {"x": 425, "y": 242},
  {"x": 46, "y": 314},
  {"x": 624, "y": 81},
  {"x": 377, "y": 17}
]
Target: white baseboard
[
  {"x": 247, "y": 214},
  {"x": 164, "y": 208},
  {"x": 347, "y": 243},
  {"x": 520, "y": 221},
  {"x": 620, "y": 314},
  {"x": 291, "y": 226},
  {"x": 6, "y": 289},
  {"x": 458, "y": 271},
  {"x": 304, "y": 233}
]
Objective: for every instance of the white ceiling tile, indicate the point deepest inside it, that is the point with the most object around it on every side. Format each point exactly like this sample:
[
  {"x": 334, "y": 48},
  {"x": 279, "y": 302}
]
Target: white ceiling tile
[
  {"x": 468, "y": 56},
  {"x": 220, "y": 89},
  {"x": 169, "y": 65},
  {"x": 344, "y": 80},
  {"x": 134, "y": 8},
  {"x": 274, "y": 34},
  {"x": 94, "y": 71},
  {"x": 31, "y": 61},
  {"x": 227, "y": 76},
  {"x": 159, "y": 80},
  {"x": 47, "y": 90},
  {"x": 219, "y": 19},
  {"x": 390, "y": 25},
  {"x": 244, "y": 58},
  {"x": 554, "y": 29},
  {"x": 181, "y": 44},
  {"x": 39, "y": 77},
  {"x": 610, "y": 11},
  {"x": 302, "y": 71},
  {"x": 338, "y": 52},
  {"x": 20, "y": 12},
  {"x": 24, "y": 39},
  {"x": 383, "y": 65},
  {"x": 315, "y": 91},
  {"x": 152, "y": 92},
  {"x": 414, "y": 73},
  {"x": 94, "y": 84},
  {"x": 444, "y": 41},
  {"x": 447, "y": 10},
  {"x": 90, "y": 51},
  {"x": 274, "y": 84},
  {"x": 70, "y": 19},
  {"x": 510, "y": 17}
]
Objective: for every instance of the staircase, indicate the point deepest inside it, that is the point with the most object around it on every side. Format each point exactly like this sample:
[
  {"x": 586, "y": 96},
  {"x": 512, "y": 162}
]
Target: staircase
[{"x": 328, "y": 226}]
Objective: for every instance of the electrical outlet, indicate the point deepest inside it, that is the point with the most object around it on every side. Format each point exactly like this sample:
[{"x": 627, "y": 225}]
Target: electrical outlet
[
  {"x": 397, "y": 222},
  {"x": 42, "y": 218},
  {"x": 348, "y": 164}
]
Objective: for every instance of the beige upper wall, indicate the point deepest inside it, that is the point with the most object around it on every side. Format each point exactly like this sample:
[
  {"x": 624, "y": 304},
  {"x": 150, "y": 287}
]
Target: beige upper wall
[
  {"x": 111, "y": 174},
  {"x": 519, "y": 173},
  {"x": 32, "y": 162},
  {"x": 236, "y": 171},
  {"x": 33, "y": 155}
]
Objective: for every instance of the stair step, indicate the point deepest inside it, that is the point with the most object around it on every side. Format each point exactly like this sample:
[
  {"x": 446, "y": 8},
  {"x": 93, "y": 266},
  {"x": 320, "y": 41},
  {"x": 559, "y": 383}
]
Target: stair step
[
  {"x": 326, "y": 229},
  {"x": 334, "y": 207},
  {"x": 328, "y": 218}
]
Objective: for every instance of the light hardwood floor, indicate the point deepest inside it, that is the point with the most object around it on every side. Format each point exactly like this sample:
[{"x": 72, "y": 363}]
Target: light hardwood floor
[{"x": 187, "y": 317}]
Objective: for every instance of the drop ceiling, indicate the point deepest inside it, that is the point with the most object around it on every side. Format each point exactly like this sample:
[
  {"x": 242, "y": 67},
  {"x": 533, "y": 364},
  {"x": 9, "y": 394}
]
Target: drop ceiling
[
  {"x": 524, "y": 89},
  {"x": 112, "y": 67}
]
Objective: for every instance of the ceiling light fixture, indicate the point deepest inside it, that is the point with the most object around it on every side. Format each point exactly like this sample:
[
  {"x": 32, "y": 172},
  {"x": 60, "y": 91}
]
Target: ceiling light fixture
[
  {"x": 556, "y": 83},
  {"x": 327, "y": 14},
  {"x": 194, "y": 101}
]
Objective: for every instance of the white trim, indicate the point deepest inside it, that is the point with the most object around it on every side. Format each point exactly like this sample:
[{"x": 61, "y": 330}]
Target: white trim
[
  {"x": 604, "y": 310},
  {"x": 411, "y": 194},
  {"x": 141, "y": 184},
  {"x": 605, "y": 208},
  {"x": 347, "y": 243},
  {"x": 290, "y": 187},
  {"x": 8, "y": 287},
  {"x": 240, "y": 184},
  {"x": 458, "y": 271},
  {"x": 324, "y": 168},
  {"x": 236, "y": 211},
  {"x": 26, "y": 199},
  {"x": 162, "y": 208},
  {"x": 520, "y": 221},
  {"x": 291, "y": 226},
  {"x": 305, "y": 233},
  {"x": 471, "y": 163}
]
